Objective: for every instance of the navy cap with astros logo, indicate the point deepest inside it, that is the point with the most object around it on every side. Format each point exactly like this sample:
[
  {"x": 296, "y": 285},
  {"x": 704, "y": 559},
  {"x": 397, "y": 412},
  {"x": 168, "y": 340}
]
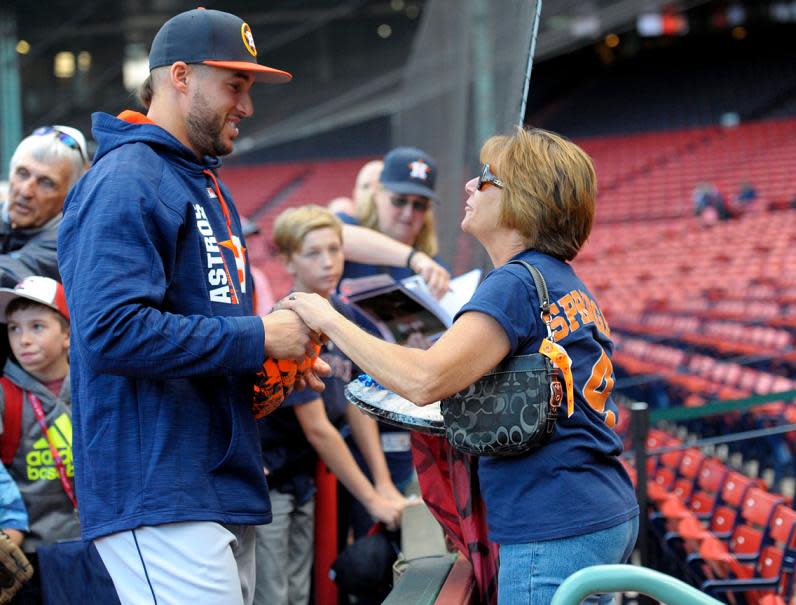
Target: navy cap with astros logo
[
  {"x": 213, "y": 38},
  {"x": 409, "y": 171}
]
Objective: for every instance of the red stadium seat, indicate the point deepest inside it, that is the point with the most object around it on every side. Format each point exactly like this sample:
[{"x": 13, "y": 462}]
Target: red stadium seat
[
  {"x": 725, "y": 514},
  {"x": 770, "y": 579},
  {"x": 717, "y": 559}
]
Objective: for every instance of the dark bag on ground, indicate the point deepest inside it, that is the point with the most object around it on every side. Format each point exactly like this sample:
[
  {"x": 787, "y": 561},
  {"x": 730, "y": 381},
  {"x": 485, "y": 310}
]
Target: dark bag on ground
[
  {"x": 512, "y": 409},
  {"x": 72, "y": 573},
  {"x": 364, "y": 568}
]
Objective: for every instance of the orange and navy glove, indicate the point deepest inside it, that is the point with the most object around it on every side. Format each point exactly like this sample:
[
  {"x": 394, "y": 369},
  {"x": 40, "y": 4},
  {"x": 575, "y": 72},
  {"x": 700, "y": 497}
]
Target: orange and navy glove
[{"x": 276, "y": 381}]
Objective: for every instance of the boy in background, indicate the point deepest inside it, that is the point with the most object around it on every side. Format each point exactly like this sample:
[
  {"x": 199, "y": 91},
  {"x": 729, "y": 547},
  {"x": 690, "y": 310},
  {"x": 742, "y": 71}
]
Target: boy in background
[
  {"x": 309, "y": 240},
  {"x": 36, "y": 431}
]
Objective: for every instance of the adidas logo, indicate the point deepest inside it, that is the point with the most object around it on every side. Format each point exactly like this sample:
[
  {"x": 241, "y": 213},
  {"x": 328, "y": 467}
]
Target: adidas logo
[
  {"x": 60, "y": 433},
  {"x": 40, "y": 463}
]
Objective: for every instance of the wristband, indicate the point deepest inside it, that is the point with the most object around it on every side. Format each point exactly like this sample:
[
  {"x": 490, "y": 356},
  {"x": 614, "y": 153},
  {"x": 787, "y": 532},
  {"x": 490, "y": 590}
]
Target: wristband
[{"x": 410, "y": 257}]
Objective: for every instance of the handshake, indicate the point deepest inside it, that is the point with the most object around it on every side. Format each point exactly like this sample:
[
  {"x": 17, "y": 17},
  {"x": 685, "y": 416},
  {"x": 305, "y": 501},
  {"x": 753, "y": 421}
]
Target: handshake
[{"x": 293, "y": 361}]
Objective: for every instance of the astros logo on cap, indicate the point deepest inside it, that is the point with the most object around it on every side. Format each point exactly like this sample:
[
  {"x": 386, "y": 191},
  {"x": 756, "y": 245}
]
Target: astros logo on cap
[
  {"x": 419, "y": 170},
  {"x": 248, "y": 39}
]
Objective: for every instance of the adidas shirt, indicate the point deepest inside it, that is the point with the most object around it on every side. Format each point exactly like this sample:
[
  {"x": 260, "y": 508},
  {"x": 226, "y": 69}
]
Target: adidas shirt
[{"x": 49, "y": 509}]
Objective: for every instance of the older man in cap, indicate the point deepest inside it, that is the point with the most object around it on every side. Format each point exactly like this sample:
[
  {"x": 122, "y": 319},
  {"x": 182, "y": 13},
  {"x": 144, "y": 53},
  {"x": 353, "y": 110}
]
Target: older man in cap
[{"x": 165, "y": 343}]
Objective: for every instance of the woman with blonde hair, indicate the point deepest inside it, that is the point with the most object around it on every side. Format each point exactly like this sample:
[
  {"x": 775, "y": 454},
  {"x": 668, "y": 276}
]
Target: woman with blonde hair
[
  {"x": 422, "y": 238},
  {"x": 568, "y": 504},
  {"x": 393, "y": 230}
]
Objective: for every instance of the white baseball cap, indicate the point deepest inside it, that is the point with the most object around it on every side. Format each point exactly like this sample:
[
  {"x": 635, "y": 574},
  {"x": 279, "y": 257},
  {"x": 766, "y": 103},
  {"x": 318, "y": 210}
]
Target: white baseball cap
[{"x": 40, "y": 289}]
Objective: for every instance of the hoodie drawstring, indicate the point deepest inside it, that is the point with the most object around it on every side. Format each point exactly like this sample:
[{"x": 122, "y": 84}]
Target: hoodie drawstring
[{"x": 233, "y": 243}]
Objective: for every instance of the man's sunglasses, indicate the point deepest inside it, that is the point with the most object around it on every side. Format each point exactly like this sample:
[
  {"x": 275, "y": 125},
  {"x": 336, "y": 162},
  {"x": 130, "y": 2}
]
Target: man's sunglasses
[
  {"x": 487, "y": 178},
  {"x": 66, "y": 139},
  {"x": 400, "y": 201}
]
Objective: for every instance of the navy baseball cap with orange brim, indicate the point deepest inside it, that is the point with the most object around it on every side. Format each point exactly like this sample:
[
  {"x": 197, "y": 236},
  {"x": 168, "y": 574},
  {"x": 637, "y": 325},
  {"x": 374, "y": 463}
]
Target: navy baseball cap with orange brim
[{"x": 214, "y": 38}]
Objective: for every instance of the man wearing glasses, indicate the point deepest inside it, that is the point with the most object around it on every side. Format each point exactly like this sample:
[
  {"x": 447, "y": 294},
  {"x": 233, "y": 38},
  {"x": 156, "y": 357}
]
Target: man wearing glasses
[{"x": 43, "y": 168}]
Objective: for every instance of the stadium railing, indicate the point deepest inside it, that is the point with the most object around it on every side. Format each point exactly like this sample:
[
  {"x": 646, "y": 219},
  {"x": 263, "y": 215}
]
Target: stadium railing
[{"x": 625, "y": 578}]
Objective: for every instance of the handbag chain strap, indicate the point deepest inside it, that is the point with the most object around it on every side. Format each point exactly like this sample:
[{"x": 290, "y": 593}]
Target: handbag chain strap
[{"x": 541, "y": 291}]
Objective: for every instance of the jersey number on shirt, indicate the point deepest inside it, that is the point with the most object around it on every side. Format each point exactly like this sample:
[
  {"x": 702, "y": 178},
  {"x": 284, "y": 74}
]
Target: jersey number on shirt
[{"x": 598, "y": 388}]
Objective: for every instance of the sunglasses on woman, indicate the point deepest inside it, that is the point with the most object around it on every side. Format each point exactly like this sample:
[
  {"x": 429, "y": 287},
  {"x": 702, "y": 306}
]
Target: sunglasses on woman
[
  {"x": 66, "y": 139},
  {"x": 487, "y": 178},
  {"x": 400, "y": 201}
]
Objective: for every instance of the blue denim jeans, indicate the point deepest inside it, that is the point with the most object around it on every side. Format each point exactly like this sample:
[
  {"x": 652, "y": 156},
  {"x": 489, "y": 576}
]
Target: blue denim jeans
[{"x": 530, "y": 573}]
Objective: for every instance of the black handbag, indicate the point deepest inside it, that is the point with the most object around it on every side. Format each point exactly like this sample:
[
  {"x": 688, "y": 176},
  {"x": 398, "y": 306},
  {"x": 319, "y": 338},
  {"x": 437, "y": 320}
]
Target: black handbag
[{"x": 513, "y": 409}]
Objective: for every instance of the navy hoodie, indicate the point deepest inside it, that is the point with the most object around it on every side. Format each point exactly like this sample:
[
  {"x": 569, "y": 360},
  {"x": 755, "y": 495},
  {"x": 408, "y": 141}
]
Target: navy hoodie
[{"x": 164, "y": 341}]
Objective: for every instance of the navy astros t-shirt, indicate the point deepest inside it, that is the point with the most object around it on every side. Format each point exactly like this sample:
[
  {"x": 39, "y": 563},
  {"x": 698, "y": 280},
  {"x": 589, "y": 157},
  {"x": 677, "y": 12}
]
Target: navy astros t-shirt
[{"x": 575, "y": 484}]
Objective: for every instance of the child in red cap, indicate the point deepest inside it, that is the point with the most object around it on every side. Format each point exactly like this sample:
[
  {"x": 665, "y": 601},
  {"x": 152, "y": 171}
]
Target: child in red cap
[{"x": 36, "y": 438}]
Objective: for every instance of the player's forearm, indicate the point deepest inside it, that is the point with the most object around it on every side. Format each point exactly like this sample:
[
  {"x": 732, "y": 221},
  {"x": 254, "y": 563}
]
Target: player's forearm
[{"x": 142, "y": 341}]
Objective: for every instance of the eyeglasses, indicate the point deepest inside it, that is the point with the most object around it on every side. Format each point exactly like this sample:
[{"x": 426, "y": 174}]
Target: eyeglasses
[
  {"x": 400, "y": 201},
  {"x": 66, "y": 139},
  {"x": 487, "y": 178}
]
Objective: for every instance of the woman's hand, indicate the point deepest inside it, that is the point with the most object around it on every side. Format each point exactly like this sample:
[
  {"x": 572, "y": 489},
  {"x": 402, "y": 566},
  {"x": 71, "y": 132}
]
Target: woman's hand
[
  {"x": 435, "y": 275},
  {"x": 314, "y": 310}
]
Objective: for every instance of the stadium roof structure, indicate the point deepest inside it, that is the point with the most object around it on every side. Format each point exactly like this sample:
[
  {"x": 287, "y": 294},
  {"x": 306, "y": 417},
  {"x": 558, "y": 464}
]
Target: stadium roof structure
[{"x": 348, "y": 56}]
